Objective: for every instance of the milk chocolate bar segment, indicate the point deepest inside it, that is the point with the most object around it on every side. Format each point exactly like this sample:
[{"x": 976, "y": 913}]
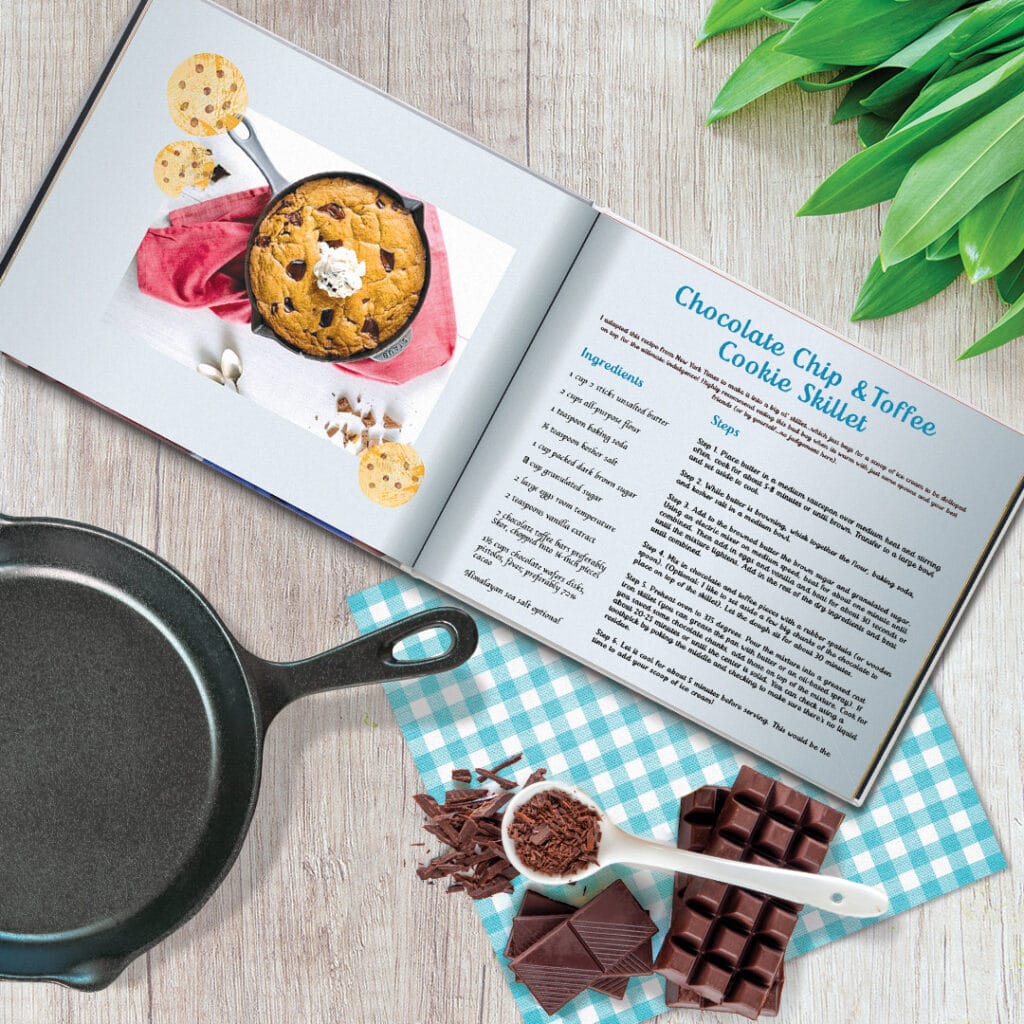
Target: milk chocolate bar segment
[{"x": 725, "y": 945}]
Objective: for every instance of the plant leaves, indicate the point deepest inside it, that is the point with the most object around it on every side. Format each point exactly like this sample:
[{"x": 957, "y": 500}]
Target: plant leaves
[
  {"x": 1009, "y": 327},
  {"x": 943, "y": 91},
  {"x": 947, "y": 182},
  {"x": 908, "y": 283},
  {"x": 765, "y": 68},
  {"x": 863, "y": 31},
  {"x": 944, "y": 248},
  {"x": 792, "y": 12},
  {"x": 1010, "y": 283},
  {"x": 876, "y": 173},
  {"x": 992, "y": 234},
  {"x": 850, "y": 104},
  {"x": 871, "y": 129},
  {"x": 729, "y": 14}
]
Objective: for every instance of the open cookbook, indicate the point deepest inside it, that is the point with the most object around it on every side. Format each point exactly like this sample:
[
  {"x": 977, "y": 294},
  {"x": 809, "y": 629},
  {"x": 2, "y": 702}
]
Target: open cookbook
[{"x": 507, "y": 392}]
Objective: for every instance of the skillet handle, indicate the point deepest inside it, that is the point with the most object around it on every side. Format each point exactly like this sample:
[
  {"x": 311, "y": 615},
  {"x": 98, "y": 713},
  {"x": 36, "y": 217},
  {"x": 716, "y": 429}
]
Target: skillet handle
[
  {"x": 250, "y": 145},
  {"x": 370, "y": 659}
]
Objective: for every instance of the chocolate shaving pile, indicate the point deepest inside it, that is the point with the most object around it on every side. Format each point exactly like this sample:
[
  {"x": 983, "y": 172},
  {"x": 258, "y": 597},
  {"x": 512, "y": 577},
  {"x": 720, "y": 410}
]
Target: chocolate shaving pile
[
  {"x": 469, "y": 821},
  {"x": 555, "y": 834}
]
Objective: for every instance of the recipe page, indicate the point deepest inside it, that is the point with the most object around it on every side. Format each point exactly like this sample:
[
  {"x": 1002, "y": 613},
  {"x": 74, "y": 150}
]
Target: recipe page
[{"x": 728, "y": 508}]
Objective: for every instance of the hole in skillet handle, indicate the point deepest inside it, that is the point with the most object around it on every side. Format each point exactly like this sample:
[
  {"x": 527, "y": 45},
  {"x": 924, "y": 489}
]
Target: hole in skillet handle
[
  {"x": 393, "y": 651},
  {"x": 425, "y": 643},
  {"x": 431, "y": 641}
]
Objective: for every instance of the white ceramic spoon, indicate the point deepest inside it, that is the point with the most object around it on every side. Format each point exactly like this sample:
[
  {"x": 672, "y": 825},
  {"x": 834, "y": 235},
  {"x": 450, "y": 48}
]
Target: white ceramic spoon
[{"x": 826, "y": 892}]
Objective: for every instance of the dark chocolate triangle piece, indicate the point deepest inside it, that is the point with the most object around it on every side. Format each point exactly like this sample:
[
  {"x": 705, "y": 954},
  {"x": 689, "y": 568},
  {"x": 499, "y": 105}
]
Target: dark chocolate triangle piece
[
  {"x": 537, "y": 903},
  {"x": 637, "y": 962},
  {"x": 556, "y": 968},
  {"x": 612, "y": 925},
  {"x": 613, "y": 985},
  {"x": 527, "y": 930}
]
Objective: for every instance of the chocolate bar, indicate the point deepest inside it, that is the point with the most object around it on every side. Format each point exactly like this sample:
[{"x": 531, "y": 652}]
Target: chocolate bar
[
  {"x": 698, "y": 812},
  {"x": 726, "y": 945},
  {"x": 600, "y": 946}
]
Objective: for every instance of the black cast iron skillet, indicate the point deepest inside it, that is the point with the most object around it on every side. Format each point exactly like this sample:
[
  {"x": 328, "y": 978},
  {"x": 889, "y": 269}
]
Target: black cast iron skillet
[
  {"x": 131, "y": 738},
  {"x": 280, "y": 186}
]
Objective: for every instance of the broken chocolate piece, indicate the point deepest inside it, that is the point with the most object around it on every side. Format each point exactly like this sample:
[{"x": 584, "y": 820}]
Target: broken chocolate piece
[
  {"x": 333, "y": 210},
  {"x": 369, "y": 420},
  {"x": 387, "y": 260},
  {"x": 390, "y": 423},
  {"x": 344, "y": 405},
  {"x": 289, "y": 307},
  {"x": 613, "y": 925},
  {"x": 326, "y": 317},
  {"x": 557, "y": 968},
  {"x": 458, "y": 774},
  {"x": 219, "y": 173},
  {"x": 602, "y": 919},
  {"x": 371, "y": 328},
  {"x": 263, "y": 241},
  {"x": 295, "y": 217},
  {"x": 469, "y": 821},
  {"x": 296, "y": 270}
]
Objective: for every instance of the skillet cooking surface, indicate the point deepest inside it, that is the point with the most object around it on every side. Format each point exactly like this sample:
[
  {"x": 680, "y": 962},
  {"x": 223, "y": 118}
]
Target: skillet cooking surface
[
  {"x": 85, "y": 680},
  {"x": 113, "y": 743}
]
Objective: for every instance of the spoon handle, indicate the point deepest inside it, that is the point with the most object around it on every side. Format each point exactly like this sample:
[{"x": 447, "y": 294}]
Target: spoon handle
[{"x": 826, "y": 892}]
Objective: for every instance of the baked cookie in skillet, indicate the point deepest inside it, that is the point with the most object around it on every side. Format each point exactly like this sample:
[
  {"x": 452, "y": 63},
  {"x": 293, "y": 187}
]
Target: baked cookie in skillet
[
  {"x": 337, "y": 267},
  {"x": 206, "y": 95}
]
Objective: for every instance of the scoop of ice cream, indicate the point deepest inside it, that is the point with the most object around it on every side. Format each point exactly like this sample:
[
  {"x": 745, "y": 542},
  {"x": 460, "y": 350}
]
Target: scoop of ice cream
[{"x": 339, "y": 272}]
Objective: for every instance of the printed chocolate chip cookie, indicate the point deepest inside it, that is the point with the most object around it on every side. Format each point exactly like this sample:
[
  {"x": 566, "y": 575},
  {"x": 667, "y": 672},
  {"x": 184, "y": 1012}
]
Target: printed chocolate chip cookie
[
  {"x": 182, "y": 164},
  {"x": 206, "y": 95},
  {"x": 337, "y": 267},
  {"x": 390, "y": 474}
]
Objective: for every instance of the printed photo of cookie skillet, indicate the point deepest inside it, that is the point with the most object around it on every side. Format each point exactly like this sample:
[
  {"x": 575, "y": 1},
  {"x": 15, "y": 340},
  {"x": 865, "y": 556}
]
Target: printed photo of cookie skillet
[{"x": 338, "y": 265}]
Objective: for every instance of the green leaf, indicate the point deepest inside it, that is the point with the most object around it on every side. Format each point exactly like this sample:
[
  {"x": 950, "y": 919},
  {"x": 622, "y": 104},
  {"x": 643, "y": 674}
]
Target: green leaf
[
  {"x": 919, "y": 60},
  {"x": 1009, "y": 327},
  {"x": 959, "y": 87},
  {"x": 791, "y": 13},
  {"x": 1010, "y": 282},
  {"x": 876, "y": 174},
  {"x": 863, "y": 31},
  {"x": 905, "y": 285},
  {"x": 764, "y": 69},
  {"x": 989, "y": 24},
  {"x": 729, "y": 14},
  {"x": 944, "y": 248},
  {"x": 947, "y": 182},
  {"x": 850, "y": 104},
  {"x": 871, "y": 129},
  {"x": 992, "y": 234}
]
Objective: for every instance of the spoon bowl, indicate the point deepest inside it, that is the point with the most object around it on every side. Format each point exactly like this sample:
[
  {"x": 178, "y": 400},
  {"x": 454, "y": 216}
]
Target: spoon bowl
[{"x": 616, "y": 846}]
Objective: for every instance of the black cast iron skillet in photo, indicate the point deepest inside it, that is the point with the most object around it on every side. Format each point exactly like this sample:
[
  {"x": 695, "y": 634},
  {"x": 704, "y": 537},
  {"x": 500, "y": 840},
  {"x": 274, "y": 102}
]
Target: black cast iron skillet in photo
[
  {"x": 131, "y": 741},
  {"x": 280, "y": 187}
]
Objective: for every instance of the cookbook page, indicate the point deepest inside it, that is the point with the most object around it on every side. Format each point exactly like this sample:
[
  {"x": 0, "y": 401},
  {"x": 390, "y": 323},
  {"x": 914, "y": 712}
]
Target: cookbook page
[
  {"x": 338, "y": 276},
  {"x": 727, "y": 507}
]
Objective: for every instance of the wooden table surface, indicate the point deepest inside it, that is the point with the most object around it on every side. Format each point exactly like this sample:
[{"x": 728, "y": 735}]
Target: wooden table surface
[{"x": 322, "y": 919}]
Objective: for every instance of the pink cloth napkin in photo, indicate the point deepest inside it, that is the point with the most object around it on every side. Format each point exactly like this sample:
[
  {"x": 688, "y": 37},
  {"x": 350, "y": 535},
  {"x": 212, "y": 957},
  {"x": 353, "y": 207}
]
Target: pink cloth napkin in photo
[{"x": 198, "y": 262}]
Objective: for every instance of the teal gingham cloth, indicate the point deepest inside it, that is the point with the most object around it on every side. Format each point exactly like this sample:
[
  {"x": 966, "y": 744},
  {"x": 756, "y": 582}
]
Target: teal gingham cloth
[{"x": 922, "y": 833}]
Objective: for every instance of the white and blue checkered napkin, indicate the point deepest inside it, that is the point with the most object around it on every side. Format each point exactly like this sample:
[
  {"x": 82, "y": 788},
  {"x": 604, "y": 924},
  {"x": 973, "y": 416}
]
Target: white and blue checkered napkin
[{"x": 923, "y": 832}]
